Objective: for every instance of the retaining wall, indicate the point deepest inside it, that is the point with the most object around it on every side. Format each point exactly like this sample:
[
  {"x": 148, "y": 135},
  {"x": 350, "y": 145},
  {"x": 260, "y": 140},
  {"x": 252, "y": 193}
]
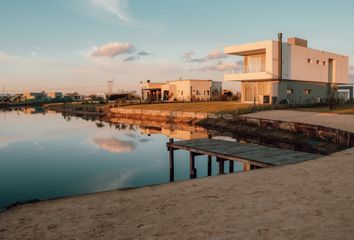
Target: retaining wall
[{"x": 338, "y": 136}]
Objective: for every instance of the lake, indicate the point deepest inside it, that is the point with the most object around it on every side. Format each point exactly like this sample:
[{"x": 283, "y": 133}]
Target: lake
[{"x": 47, "y": 155}]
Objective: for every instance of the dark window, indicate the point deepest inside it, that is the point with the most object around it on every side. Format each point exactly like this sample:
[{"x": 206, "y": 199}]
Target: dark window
[
  {"x": 307, "y": 91},
  {"x": 289, "y": 91}
]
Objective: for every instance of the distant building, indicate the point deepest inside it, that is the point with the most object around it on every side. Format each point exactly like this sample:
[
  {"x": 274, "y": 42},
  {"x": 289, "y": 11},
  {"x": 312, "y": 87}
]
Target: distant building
[
  {"x": 54, "y": 95},
  {"x": 346, "y": 91},
  {"x": 299, "y": 74},
  {"x": 73, "y": 96},
  {"x": 34, "y": 95},
  {"x": 181, "y": 90}
]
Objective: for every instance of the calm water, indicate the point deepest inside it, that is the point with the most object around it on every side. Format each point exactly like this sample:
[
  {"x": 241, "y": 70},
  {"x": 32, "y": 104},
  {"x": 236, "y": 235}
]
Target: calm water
[{"x": 46, "y": 156}]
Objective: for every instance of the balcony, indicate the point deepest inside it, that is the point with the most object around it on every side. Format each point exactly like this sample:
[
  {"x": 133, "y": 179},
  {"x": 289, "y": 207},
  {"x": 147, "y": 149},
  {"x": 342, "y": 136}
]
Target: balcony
[{"x": 248, "y": 72}]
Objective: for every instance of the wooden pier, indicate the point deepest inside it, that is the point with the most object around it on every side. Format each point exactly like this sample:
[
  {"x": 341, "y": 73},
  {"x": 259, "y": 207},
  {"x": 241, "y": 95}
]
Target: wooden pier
[{"x": 256, "y": 156}]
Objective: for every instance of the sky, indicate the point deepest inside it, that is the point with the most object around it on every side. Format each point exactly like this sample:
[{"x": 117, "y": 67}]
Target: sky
[{"x": 78, "y": 45}]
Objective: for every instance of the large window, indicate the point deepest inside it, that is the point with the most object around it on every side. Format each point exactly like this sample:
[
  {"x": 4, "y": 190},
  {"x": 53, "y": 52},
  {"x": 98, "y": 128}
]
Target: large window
[{"x": 255, "y": 63}]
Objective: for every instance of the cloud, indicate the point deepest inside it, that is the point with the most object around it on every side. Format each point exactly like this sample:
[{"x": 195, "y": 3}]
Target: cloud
[
  {"x": 143, "y": 53},
  {"x": 351, "y": 78},
  {"x": 216, "y": 54},
  {"x": 114, "y": 145},
  {"x": 5, "y": 141},
  {"x": 113, "y": 49},
  {"x": 221, "y": 67},
  {"x": 188, "y": 57},
  {"x": 115, "y": 7},
  {"x": 131, "y": 58},
  {"x": 113, "y": 12},
  {"x": 213, "y": 55}
]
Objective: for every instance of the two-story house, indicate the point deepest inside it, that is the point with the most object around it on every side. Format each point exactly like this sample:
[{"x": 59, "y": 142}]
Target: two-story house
[{"x": 277, "y": 71}]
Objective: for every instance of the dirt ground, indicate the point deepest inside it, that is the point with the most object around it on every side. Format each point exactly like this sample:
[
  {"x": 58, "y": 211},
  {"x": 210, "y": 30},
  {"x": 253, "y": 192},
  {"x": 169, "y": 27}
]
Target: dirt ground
[{"x": 309, "y": 200}]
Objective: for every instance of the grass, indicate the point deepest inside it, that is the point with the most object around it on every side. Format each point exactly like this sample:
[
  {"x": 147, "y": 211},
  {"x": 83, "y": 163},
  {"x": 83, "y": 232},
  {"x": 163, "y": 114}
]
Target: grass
[
  {"x": 210, "y": 107},
  {"x": 236, "y": 107}
]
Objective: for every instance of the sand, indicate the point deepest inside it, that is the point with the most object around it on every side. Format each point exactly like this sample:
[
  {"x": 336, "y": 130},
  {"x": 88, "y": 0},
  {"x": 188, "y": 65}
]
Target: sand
[{"x": 309, "y": 200}]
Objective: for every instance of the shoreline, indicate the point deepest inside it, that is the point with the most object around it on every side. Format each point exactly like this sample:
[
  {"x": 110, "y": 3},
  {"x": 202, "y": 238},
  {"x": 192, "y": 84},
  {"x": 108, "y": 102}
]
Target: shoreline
[
  {"x": 309, "y": 200},
  {"x": 279, "y": 207}
]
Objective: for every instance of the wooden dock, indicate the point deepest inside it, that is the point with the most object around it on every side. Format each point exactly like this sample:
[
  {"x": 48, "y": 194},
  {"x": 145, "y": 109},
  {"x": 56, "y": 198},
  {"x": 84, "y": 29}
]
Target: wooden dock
[{"x": 255, "y": 155}]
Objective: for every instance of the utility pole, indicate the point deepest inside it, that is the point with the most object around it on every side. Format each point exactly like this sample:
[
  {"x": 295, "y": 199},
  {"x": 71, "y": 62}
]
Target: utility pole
[{"x": 110, "y": 87}]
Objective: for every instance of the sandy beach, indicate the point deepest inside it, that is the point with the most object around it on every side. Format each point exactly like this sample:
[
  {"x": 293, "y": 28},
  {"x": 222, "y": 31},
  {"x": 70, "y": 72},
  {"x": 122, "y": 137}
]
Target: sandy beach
[{"x": 309, "y": 200}]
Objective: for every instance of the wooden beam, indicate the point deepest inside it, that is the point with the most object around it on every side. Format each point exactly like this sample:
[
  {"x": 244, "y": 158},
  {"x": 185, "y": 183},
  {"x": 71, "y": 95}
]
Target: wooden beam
[
  {"x": 231, "y": 166},
  {"x": 192, "y": 169},
  {"x": 221, "y": 165},
  {"x": 209, "y": 165},
  {"x": 172, "y": 162}
]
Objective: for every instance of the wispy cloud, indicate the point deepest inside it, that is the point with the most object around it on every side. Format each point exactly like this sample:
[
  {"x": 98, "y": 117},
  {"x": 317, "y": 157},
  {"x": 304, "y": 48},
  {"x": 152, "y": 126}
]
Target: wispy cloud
[
  {"x": 116, "y": 7},
  {"x": 131, "y": 58},
  {"x": 189, "y": 57},
  {"x": 143, "y": 53},
  {"x": 220, "y": 66},
  {"x": 114, "y": 12},
  {"x": 216, "y": 54},
  {"x": 113, "y": 49},
  {"x": 351, "y": 78},
  {"x": 212, "y": 55}
]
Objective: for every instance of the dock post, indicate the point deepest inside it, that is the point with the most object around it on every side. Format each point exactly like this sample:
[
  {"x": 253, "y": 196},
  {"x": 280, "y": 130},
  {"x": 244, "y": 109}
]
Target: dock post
[
  {"x": 221, "y": 165},
  {"x": 172, "y": 162},
  {"x": 192, "y": 169},
  {"x": 209, "y": 159},
  {"x": 231, "y": 166},
  {"x": 209, "y": 165}
]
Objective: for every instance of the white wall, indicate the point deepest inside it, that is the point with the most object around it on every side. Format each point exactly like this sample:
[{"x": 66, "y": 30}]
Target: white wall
[{"x": 296, "y": 67}]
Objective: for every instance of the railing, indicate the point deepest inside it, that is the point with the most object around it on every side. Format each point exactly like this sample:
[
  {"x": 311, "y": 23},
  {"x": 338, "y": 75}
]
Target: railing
[{"x": 254, "y": 68}]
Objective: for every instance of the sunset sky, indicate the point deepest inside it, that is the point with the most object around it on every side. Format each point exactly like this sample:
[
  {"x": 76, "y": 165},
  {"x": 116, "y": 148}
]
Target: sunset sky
[{"x": 70, "y": 45}]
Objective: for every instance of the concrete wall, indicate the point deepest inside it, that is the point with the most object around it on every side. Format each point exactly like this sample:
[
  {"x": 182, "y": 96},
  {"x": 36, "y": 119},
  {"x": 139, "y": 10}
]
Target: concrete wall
[
  {"x": 297, "y": 67},
  {"x": 318, "y": 90},
  {"x": 338, "y": 136}
]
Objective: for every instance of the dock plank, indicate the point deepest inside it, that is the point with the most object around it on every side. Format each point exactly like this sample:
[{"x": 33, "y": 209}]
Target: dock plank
[{"x": 251, "y": 153}]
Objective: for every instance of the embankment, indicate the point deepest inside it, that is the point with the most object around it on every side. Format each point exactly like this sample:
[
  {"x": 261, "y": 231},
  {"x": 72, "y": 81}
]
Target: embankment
[
  {"x": 286, "y": 134},
  {"x": 79, "y": 108}
]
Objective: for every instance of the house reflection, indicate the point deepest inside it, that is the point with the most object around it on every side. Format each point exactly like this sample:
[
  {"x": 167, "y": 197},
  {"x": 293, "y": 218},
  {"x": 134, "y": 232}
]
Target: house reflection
[{"x": 181, "y": 131}]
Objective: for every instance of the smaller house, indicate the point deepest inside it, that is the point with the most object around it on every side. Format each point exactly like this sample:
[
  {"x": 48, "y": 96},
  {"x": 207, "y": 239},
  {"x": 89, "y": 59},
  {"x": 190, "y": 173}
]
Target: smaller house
[
  {"x": 34, "y": 95},
  {"x": 73, "y": 96},
  {"x": 181, "y": 90},
  {"x": 54, "y": 95},
  {"x": 346, "y": 91}
]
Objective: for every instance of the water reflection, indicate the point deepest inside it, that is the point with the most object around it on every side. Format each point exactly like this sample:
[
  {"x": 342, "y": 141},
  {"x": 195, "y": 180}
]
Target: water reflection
[
  {"x": 45, "y": 155},
  {"x": 115, "y": 145}
]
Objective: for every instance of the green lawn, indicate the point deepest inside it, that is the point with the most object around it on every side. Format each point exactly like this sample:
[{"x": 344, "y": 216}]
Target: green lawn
[{"x": 210, "y": 107}]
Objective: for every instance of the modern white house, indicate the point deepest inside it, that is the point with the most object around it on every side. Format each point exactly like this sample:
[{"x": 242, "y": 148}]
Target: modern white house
[
  {"x": 181, "y": 90},
  {"x": 277, "y": 71}
]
